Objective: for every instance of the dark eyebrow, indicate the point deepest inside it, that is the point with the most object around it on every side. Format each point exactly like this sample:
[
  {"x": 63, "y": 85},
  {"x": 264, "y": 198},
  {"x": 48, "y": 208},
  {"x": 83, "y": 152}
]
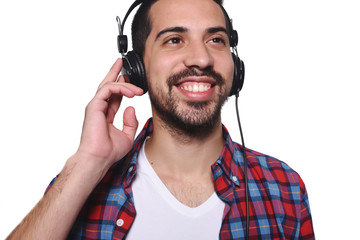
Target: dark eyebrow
[
  {"x": 172, "y": 29},
  {"x": 216, "y": 29},
  {"x": 183, "y": 29}
]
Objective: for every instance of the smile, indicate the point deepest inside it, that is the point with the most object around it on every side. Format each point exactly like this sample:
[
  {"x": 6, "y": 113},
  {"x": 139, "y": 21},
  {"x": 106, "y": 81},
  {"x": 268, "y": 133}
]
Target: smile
[{"x": 195, "y": 86}]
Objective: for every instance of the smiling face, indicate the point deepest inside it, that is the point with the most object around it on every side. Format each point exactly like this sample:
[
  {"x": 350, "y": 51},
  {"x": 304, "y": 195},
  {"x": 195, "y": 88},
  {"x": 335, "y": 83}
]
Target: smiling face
[{"x": 188, "y": 63}]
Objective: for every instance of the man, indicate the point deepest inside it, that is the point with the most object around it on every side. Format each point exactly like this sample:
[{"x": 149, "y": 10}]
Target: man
[{"x": 184, "y": 177}]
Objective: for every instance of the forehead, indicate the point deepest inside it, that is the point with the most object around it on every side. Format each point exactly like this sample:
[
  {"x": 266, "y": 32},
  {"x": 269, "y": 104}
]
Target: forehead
[{"x": 193, "y": 14}]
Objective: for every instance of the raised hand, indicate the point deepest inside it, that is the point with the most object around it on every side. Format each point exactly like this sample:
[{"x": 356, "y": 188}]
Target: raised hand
[{"x": 101, "y": 140}]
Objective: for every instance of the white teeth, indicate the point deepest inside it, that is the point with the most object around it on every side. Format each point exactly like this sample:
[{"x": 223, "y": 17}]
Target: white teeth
[
  {"x": 201, "y": 88},
  {"x": 197, "y": 87}
]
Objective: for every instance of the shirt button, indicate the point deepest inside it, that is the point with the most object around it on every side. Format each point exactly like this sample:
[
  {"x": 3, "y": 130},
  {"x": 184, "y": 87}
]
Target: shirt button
[
  {"x": 234, "y": 178},
  {"x": 130, "y": 169},
  {"x": 119, "y": 222}
]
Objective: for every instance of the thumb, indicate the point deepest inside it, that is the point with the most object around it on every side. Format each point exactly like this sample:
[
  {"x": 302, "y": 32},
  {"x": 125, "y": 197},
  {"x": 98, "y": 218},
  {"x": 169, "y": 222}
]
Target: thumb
[{"x": 130, "y": 123}]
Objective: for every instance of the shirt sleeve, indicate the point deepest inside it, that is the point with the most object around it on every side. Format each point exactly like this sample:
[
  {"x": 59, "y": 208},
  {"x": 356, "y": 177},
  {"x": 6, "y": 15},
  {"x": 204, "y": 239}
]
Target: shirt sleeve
[
  {"x": 306, "y": 229},
  {"x": 50, "y": 184}
]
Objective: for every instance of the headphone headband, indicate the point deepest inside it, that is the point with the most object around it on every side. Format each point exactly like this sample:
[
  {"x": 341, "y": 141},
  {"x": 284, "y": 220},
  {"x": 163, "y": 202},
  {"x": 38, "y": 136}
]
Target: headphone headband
[
  {"x": 134, "y": 5},
  {"x": 233, "y": 36}
]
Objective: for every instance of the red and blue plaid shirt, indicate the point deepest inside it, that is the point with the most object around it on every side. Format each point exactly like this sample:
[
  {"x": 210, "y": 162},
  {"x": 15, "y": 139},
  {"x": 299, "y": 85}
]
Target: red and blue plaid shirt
[{"x": 279, "y": 207}]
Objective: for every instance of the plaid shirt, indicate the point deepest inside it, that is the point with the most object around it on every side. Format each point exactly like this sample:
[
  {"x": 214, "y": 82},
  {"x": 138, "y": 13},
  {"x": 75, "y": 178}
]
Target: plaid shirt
[{"x": 279, "y": 207}]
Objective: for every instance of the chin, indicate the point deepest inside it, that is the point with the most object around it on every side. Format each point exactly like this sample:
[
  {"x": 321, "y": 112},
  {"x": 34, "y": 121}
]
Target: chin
[{"x": 195, "y": 119}]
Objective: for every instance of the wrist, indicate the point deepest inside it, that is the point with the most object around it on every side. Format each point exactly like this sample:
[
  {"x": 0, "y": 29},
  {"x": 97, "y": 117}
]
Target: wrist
[{"x": 90, "y": 168}]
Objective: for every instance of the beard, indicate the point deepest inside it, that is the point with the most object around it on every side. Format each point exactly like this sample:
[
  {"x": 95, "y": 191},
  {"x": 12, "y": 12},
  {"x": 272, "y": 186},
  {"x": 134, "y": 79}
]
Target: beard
[{"x": 196, "y": 119}]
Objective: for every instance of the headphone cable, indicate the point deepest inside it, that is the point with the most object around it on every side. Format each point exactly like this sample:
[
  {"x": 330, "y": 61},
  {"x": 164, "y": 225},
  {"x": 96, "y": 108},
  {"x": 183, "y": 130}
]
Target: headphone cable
[{"x": 245, "y": 167}]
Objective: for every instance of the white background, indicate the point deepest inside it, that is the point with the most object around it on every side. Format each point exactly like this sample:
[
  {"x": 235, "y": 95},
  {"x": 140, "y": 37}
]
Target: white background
[{"x": 300, "y": 100}]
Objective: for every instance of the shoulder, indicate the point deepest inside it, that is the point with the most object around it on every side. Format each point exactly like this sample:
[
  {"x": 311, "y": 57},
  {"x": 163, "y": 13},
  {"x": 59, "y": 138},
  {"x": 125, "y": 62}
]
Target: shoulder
[{"x": 266, "y": 168}]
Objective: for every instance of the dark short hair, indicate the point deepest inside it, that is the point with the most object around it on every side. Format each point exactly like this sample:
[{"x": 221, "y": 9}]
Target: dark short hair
[{"x": 141, "y": 25}]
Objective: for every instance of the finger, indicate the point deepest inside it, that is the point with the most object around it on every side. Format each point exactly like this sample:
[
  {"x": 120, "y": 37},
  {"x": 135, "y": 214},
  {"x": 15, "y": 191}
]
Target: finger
[
  {"x": 115, "y": 100},
  {"x": 113, "y": 73},
  {"x": 130, "y": 123},
  {"x": 102, "y": 102},
  {"x": 113, "y": 106},
  {"x": 121, "y": 79},
  {"x": 123, "y": 89}
]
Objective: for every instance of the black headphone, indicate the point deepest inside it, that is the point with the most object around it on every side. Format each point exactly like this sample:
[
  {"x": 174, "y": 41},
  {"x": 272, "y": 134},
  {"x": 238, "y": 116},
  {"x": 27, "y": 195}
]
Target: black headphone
[{"x": 134, "y": 69}]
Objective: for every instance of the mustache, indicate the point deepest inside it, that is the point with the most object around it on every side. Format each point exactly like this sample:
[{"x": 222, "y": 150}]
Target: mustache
[{"x": 189, "y": 72}]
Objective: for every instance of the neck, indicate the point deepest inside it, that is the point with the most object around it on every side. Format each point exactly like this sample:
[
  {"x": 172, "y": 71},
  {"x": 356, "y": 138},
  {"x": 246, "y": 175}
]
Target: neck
[{"x": 181, "y": 155}]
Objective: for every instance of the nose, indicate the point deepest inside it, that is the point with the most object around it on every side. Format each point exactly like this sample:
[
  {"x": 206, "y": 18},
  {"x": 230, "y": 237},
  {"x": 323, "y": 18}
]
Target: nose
[{"x": 198, "y": 56}]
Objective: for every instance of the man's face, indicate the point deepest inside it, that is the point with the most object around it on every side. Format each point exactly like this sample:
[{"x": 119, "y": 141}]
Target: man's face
[{"x": 188, "y": 63}]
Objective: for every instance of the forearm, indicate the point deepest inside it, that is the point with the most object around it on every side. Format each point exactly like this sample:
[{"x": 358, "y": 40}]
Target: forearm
[
  {"x": 101, "y": 145},
  {"x": 54, "y": 215}
]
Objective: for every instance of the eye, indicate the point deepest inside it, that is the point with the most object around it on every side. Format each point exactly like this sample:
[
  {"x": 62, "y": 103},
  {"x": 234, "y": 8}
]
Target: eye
[
  {"x": 218, "y": 40},
  {"x": 174, "y": 40}
]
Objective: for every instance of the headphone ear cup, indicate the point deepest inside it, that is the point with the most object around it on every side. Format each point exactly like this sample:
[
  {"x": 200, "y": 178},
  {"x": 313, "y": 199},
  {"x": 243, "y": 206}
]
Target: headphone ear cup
[
  {"x": 239, "y": 75},
  {"x": 233, "y": 38},
  {"x": 135, "y": 70}
]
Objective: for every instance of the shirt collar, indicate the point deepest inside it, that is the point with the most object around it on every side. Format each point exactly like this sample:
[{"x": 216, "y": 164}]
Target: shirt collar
[{"x": 230, "y": 161}]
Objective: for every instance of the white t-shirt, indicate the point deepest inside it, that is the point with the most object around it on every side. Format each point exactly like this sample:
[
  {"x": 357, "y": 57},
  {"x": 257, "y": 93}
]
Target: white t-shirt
[{"x": 159, "y": 215}]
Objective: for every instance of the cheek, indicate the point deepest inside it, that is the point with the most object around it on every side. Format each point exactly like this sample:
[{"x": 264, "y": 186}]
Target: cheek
[
  {"x": 159, "y": 68},
  {"x": 226, "y": 68}
]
